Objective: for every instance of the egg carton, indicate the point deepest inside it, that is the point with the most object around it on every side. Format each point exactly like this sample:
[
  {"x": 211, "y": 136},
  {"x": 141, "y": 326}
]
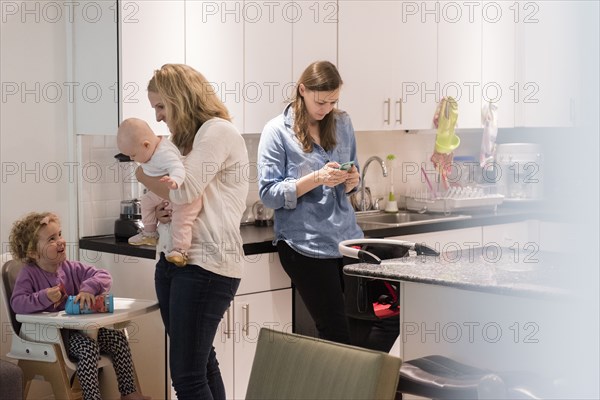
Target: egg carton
[{"x": 454, "y": 199}]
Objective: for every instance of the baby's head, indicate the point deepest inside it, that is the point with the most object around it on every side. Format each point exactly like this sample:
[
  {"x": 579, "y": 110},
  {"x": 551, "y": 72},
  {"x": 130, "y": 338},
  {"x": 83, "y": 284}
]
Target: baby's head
[
  {"x": 25, "y": 244},
  {"x": 136, "y": 140}
]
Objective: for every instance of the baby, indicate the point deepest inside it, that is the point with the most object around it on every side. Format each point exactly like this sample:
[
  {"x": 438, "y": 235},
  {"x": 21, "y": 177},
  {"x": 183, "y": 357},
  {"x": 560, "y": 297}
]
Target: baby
[{"x": 159, "y": 157}]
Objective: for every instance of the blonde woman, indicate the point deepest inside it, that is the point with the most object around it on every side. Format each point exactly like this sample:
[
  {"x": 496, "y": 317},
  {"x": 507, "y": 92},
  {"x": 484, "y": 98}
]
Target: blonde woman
[
  {"x": 193, "y": 298},
  {"x": 300, "y": 159}
]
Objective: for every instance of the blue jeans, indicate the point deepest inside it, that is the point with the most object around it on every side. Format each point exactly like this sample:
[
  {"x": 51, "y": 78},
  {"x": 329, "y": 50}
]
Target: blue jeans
[{"x": 192, "y": 303}]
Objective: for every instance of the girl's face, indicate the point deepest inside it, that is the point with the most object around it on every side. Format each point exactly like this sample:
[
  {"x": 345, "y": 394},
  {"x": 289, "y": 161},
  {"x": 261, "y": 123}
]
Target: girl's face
[
  {"x": 319, "y": 103},
  {"x": 160, "y": 108},
  {"x": 51, "y": 247}
]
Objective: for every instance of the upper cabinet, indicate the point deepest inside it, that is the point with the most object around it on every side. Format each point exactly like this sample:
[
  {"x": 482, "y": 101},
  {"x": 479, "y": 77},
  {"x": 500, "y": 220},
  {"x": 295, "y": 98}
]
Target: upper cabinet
[
  {"x": 390, "y": 76},
  {"x": 546, "y": 90},
  {"x": 151, "y": 33},
  {"x": 459, "y": 56},
  {"x": 95, "y": 68},
  {"x": 498, "y": 59},
  {"x": 367, "y": 61},
  {"x": 397, "y": 58},
  {"x": 314, "y": 34},
  {"x": 267, "y": 61},
  {"x": 253, "y": 51},
  {"x": 214, "y": 44}
]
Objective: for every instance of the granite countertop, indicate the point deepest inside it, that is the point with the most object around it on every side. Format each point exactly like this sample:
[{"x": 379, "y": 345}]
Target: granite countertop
[
  {"x": 258, "y": 240},
  {"x": 489, "y": 269}
]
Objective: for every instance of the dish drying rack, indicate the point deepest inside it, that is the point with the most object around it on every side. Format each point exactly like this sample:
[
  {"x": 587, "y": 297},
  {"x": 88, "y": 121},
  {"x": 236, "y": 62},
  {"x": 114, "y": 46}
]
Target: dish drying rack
[{"x": 453, "y": 199}]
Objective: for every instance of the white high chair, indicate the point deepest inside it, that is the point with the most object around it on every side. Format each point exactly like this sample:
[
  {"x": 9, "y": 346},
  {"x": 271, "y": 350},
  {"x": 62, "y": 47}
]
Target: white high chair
[{"x": 37, "y": 342}]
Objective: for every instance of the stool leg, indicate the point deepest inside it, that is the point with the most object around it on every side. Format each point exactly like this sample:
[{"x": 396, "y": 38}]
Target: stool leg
[{"x": 53, "y": 373}]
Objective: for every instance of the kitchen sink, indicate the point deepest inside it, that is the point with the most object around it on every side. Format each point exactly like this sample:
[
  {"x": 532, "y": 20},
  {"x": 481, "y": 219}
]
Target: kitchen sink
[{"x": 379, "y": 219}]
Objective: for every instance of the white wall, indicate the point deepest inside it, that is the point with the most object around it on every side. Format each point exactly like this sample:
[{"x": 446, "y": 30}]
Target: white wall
[{"x": 34, "y": 146}]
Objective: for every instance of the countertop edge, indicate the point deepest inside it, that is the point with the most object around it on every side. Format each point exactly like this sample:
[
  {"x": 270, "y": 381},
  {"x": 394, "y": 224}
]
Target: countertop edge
[{"x": 258, "y": 240}]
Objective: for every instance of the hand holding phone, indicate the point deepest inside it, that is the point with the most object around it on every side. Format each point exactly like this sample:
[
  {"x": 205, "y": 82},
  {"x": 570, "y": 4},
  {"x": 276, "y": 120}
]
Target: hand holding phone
[{"x": 346, "y": 166}]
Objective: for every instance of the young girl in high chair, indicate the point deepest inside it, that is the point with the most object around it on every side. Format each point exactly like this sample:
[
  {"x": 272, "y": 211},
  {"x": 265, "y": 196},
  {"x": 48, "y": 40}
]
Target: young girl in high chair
[{"x": 44, "y": 284}]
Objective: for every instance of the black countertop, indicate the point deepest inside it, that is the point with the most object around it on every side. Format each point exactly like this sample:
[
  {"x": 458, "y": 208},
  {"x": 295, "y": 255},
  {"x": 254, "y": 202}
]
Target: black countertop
[{"x": 258, "y": 240}]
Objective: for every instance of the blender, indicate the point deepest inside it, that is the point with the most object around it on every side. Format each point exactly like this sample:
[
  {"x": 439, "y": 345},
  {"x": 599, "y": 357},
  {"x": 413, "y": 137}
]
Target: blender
[{"x": 130, "y": 215}]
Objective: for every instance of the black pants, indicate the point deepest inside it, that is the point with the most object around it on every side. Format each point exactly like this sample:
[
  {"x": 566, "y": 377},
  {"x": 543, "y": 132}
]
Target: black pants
[{"x": 319, "y": 282}]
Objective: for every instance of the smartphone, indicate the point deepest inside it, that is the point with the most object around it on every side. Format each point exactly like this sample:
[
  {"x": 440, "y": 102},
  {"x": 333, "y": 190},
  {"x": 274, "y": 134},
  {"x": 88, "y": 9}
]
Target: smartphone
[{"x": 346, "y": 166}]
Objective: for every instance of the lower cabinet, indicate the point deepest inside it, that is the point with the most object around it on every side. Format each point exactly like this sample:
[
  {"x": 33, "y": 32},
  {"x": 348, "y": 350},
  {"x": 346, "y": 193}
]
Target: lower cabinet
[
  {"x": 134, "y": 278},
  {"x": 447, "y": 240},
  {"x": 516, "y": 235},
  {"x": 264, "y": 299},
  {"x": 522, "y": 235},
  {"x": 235, "y": 343}
]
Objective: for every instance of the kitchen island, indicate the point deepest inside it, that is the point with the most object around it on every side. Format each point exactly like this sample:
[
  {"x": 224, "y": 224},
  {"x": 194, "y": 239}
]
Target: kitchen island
[{"x": 494, "y": 308}]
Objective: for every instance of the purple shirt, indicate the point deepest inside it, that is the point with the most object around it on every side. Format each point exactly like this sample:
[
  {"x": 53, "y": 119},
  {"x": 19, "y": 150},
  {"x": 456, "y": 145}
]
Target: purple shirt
[{"x": 29, "y": 294}]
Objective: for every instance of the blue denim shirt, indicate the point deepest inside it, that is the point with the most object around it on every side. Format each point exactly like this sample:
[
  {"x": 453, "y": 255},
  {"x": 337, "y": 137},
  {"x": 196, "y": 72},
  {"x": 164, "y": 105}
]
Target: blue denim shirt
[{"x": 312, "y": 224}]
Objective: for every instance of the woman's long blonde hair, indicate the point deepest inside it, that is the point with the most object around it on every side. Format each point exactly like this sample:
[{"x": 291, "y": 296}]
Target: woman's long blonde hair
[
  {"x": 320, "y": 76},
  {"x": 190, "y": 101}
]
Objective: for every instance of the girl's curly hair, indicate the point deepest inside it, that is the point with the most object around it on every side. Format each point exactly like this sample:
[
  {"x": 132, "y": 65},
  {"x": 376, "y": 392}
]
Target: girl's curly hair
[{"x": 24, "y": 235}]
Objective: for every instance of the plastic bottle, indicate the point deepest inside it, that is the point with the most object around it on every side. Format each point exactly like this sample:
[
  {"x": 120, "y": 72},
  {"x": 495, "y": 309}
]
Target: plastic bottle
[{"x": 103, "y": 304}]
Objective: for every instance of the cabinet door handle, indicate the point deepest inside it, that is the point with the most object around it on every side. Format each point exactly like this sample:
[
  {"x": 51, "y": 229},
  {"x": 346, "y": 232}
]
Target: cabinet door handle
[
  {"x": 245, "y": 318},
  {"x": 399, "y": 120},
  {"x": 387, "y": 121},
  {"x": 228, "y": 322}
]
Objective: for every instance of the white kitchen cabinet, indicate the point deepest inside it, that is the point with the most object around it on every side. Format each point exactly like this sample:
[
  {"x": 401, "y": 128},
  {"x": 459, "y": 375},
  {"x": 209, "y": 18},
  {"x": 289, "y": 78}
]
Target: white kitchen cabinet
[
  {"x": 268, "y": 79},
  {"x": 547, "y": 57},
  {"x": 459, "y": 57},
  {"x": 390, "y": 77},
  {"x": 151, "y": 35},
  {"x": 214, "y": 45},
  {"x": 134, "y": 277},
  {"x": 415, "y": 82},
  {"x": 251, "y": 313},
  {"x": 367, "y": 62},
  {"x": 498, "y": 59},
  {"x": 314, "y": 34},
  {"x": 559, "y": 236},
  {"x": 449, "y": 240},
  {"x": 522, "y": 235},
  {"x": 264, "y": 299},
  {"x": 95, "y": 68}
]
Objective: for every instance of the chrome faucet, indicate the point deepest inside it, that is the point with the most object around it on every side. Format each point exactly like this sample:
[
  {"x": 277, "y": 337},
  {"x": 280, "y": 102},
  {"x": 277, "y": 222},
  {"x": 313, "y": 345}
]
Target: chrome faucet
[{"x": 363, "y": 201}]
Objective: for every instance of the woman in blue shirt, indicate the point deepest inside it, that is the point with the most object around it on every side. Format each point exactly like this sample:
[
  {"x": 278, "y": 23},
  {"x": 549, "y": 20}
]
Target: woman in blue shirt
[{"x": 299, "y": 159}]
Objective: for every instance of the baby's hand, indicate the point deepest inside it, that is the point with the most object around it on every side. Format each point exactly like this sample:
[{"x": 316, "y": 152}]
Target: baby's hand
[
  {"x": 85, "y": 299},
  {"x": 170, "y": 182},
  {"x": 54, "y": 294}
]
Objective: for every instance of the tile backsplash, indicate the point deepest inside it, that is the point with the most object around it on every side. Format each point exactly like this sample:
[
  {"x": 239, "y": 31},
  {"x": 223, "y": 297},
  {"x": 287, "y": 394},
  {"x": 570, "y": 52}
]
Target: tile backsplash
[{"x": 99, "y": 189}]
